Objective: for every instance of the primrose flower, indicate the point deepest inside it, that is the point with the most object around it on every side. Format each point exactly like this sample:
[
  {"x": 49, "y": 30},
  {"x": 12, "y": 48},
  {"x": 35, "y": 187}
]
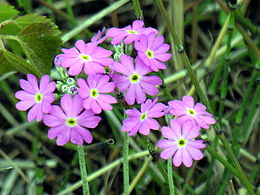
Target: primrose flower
[
  {"x": 34, "y": 96},
  {"x": 180, "y": 144},
  {"x": 186, "y": 110},
  {"x": 97, "y": 38},
  {"x": 89, "y": 57},
  {"x": 153, "y": 51},
  {"x": 129, "y": 33},
  {"x": 143, "y": 121},
  {"x": 68, "y": 122},
  {"x": 133, "y": 81},
  {"x": 93, "y": 92}
]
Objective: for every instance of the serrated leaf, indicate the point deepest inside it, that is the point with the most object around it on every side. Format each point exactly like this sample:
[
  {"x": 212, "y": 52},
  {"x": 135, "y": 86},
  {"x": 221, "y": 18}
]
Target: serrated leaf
[
  {"x": 28, "y": 19},
  {"x": 7, "y": 12},
  {"x": 12, "y": 62},
  {"x": 15, "y": 26},
  {"x": 40, "y": 42}
]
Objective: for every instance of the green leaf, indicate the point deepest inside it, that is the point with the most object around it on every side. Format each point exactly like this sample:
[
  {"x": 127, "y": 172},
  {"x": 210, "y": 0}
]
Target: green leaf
[
  {"x": 36, "y": 37},
  {"x": 41, "y": 42},
  {"x": 10, "y": 62},
  {"x": 7, "y": 12}
]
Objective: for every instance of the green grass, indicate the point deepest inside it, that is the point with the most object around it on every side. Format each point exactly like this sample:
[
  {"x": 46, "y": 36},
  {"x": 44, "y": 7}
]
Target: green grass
[{"x": 216, "y": 60}]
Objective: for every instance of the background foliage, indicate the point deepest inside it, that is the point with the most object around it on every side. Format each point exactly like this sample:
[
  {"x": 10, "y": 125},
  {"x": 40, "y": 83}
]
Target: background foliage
[{"x": 221, "y": 42}]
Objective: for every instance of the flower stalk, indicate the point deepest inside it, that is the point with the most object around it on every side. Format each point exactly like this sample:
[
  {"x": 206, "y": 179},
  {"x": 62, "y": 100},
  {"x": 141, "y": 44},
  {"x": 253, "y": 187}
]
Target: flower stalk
[
  {"x": 83, "y": 170},
  {"x": 126, "y": 163},
  {"x": 170, "y": 179}
]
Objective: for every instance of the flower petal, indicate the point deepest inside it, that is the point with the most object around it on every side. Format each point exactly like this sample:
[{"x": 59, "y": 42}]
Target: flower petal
[{"x": 168, "y": 152}]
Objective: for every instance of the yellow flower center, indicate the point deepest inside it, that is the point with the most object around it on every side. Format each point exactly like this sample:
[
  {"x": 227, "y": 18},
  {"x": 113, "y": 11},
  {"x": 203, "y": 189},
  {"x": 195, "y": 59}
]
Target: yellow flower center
[
  {"x": 181, "y": 142},
  {"x": 135, "y": 78},
  {"x": 132, "y": 32},
  {"x": 71, "y": 122},
  {"x": 143, "y": 116},
  {"x": 38, "y": 98},
  {"x": 85, "y": 57},
  {"x": 149, "y": 53},
  {"x": 191, "y": 112},
  {"x": 94, "y": 93}
]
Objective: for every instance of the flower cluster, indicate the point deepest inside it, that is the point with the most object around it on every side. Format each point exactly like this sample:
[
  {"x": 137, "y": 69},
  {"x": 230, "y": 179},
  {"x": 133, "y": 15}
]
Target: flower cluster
[
  {"x": 180, "y": 143},
  {"x": 91, "y": 75}
]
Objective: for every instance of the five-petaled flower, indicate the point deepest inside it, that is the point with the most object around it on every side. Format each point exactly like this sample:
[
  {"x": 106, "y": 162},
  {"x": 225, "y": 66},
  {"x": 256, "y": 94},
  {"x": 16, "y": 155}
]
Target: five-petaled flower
[
  {"x": 133, "y": 81},
  {"x": 186, "y": 110},
  {"x": 180, "y": 144},
  {"x": 34, "y": 96},
  {"x": 129, "y": 33},
  {"x": 67, "y": 121},
  {"x": 143, "y": 121},
  {"x": 89, "y": 57},
  {"x": 94, "y": 90},
  {"x": 153, "y": 51}
]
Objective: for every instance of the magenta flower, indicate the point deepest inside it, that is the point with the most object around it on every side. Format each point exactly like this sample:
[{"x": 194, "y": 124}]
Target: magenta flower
[
  {"x": 68, "y": 121},
  {"x": 129, "y": 33},
  {"x": 89, "y": 57},
  {"x": 133, "y": 81},
  {"x": 186, "y": 110},
  {"x": 153, "y": 51},
  {"x": 98, "y": 39},
  {"x": 38, "y": 98},
  {"x": 180, "y": 143},
  {"x": 143, "y": 121},
  {"x": 93, "y": 92}
]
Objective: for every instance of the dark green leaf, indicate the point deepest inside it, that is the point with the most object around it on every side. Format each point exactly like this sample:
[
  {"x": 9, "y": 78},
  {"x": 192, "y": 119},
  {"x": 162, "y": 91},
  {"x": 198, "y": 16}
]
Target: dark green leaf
[
  {"x": 12, "y": 62},
  {"x": 40, "y": 42}
]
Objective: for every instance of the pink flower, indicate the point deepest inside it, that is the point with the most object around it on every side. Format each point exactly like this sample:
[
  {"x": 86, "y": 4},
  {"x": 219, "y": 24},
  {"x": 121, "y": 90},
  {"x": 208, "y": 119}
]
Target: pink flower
[
  {"x": 153, "y": 51},
  {"x": 143, "y": 121},
  {"x": 129, "y": 33},
  {"x": 68, "y": 121},
  {"x": 89, "y": 57},
  {"x": 93, "y": 92},
  {"x": 186, "y": 110},
  {"x": 180, "y": 143},
  {"x": 133, "y": 81},
  {"x": 38, "y": 98},
  {"x": 97, "y": 38}
]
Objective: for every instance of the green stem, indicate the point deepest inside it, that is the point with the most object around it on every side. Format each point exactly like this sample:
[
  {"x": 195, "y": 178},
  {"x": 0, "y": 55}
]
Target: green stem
[
  {"x": 222, "y": 160},
  {"x": 140, "y": 173},
  {"x": 170, "y": 179},
  {"x": 138, "y": 10},
  {"x": 236, "y": 164},
  {"x": 246, "y": 23},
  {"x": 103, "y": 170},
  {"x": 125, "y": 163},
  {"x": 166, "y": 91},
  {"x": 83, "y": 170},
  {"x": 92, "y": 20},
  {"x": 153, "y": 153}
]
